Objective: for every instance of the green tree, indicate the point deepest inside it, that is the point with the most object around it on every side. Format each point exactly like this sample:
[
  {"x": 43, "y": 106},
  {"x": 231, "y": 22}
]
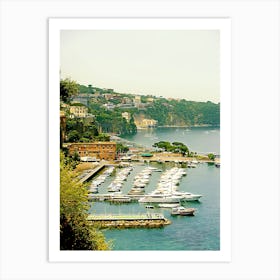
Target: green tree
[
  {"x": 68, "y": 89},
  {"x": 122, "y": 148},
  {"x": 73, "y": 136},
  {"x": 90, "y": 89},
  {"x": 211, "y": 156},
  {"x": 75, "y": 231}
]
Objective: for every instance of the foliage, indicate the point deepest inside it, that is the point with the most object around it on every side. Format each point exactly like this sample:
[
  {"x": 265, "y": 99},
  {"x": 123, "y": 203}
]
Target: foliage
[
  {"x": 68, "y": 89},
  {"x": 80, "y": 130},
  {"x": 111, "y": 121},
  {"x": 75, "y": 231},
  {"x": 122, "y": 148},
  {"x": 102, "y": 137},
  {"x": 175, "y": 147},
  {"x": 184, "y": 112},
  {"x": 211, "y": 156}
]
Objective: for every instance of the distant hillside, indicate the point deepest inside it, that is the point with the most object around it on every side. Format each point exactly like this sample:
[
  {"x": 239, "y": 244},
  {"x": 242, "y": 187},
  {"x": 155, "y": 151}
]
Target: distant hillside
[
  {"x": 167, "y": 112},
  {"x": 181, "y": 113}
]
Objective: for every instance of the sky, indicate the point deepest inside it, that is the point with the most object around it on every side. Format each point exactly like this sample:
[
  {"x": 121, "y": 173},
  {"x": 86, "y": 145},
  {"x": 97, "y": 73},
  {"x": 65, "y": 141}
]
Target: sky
[{"x": 172, "y": 64}]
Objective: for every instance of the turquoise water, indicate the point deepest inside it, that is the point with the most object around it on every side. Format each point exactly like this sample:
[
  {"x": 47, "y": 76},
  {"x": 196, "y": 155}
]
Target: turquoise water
[
  {"x": 200, "y": 232},
  {"x": 198, "y": 139}
]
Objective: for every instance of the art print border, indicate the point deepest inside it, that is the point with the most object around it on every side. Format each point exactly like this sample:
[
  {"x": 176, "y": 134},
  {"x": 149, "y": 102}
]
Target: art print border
[{"x": 221, "y": 24}]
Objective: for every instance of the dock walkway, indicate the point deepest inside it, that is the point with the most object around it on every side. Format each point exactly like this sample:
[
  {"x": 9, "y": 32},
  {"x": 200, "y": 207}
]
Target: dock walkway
[
  {"x": 123, "y": 217},
  {"x": 93, "y": 172},
  {"x": 146, "y": 220}
]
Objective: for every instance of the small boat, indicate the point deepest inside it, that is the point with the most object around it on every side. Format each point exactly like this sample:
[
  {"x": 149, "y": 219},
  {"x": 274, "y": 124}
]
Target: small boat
[
  {"x": 150, "y": 206},
  {"x": 168, "y": 205},
  {"x": 182, "y": 211}
]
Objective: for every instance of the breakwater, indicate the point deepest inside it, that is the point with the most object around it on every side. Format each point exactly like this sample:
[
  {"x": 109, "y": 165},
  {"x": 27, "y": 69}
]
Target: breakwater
[{"x": 148, "y": 220}]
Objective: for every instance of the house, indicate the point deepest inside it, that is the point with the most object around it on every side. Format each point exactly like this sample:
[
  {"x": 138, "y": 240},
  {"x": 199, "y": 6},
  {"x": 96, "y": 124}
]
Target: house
[
  {"x": 78, "y": 110},
  {"x": 109, "y": 106},
  {"x": 126, "y": 115}
]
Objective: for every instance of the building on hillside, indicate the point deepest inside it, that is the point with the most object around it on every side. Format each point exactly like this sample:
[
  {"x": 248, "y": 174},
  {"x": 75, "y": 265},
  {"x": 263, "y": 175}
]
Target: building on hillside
[
  {"x": 150, "y": 99},
  {"x": 126, "y": 115},
  {"x": 137, "y": 100},
  {"x": 109, "y": 106},
  {"x": 126, "y": 100},
  {"x": 145, "y": 123},
  {"x": 98, "y": 150},
  {"x": 149, "y": 122},
  {"x": 79, "y": 111},
  {"x": 83, "y": 98},
  {"x": 64, "y": 106},
  {"x": 126, "y": 106}
]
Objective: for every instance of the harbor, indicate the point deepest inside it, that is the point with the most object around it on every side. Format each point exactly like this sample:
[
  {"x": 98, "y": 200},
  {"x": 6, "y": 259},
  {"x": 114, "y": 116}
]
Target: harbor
[{"x": 152, "y": 199}]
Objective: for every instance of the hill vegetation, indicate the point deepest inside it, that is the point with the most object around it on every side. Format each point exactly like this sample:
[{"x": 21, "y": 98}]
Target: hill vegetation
[{"x": 168, "y": 112}]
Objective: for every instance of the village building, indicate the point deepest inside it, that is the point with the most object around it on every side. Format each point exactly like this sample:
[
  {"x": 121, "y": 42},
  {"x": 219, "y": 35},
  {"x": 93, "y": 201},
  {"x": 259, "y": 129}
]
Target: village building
[
  {"x": 145, "y": 123},
  {"x": 98, "y": 150},
  {"x": 126, "y": 115},
  {"x": 79, "y": 111}
]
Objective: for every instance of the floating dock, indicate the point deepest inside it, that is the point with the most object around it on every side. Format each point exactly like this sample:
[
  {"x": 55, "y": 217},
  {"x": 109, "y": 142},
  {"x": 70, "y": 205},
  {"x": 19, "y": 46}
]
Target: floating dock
[{"x": 147, "y": 220}]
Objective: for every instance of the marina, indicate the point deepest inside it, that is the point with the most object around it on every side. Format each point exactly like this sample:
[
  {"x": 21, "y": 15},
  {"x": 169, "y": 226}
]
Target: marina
[
  {"x": 147, "y": 188},
  {"x": 191, "y": 231}
]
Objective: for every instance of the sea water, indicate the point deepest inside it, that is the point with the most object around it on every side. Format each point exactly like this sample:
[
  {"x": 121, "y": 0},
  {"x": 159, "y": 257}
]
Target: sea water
[{"x": 197, "y": 139}]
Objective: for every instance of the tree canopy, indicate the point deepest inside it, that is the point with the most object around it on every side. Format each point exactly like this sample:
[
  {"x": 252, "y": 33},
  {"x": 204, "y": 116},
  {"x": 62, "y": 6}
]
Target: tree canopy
[
  {"x": 75, "y": 231},
  {"x": 68, "y": 89},
  {"x": 175, "y": 147}
]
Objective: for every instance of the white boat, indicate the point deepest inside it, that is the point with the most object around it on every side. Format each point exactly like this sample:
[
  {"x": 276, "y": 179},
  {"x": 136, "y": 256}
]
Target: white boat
[
  {"x": 160, "y": 199},
  {"x": 187, "y": 196},
  {"x": 168, "y": 205},
  {"x": 120, "y": 198},
  {"x": 182, "y": 211}
]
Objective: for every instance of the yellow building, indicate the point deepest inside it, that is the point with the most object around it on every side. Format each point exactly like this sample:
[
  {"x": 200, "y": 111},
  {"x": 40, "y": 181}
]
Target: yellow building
[
  {"x": 79, "y": 111},
  {"x": 126, "y": 115},
  {"x": 149, "y": 123}
]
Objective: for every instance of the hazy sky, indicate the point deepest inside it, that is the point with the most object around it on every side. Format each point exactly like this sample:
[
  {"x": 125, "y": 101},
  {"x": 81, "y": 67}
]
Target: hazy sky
[{"x": 178, "y": 64}]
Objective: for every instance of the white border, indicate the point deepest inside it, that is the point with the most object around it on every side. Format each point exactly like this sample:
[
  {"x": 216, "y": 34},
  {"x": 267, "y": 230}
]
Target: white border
[{"x": 55, "y": 25}]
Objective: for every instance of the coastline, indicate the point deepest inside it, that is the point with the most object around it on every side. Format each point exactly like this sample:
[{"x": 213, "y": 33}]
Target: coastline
[{"x": 189, "y": 126}]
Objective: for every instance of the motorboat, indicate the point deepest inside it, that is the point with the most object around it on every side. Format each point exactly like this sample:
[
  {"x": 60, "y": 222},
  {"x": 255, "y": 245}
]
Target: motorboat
[
  {"x": 120, "y": 198},
  {"x": 187, "y": 196},
  {"x": 182, "y": 211},
  {"x": 156, "y": 198},
  {"x": 168, "y": 205}
]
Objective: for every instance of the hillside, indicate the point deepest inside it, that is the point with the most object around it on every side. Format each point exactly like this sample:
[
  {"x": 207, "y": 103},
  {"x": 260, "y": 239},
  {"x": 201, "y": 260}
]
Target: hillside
[{"x": 167, "y": 112}]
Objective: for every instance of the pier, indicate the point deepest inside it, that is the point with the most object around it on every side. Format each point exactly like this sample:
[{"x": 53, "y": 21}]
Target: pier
[
  {"x": 111, "y": 197},
  {"x": 148, "y": 220},
  {"x": 93, "y": 172}
]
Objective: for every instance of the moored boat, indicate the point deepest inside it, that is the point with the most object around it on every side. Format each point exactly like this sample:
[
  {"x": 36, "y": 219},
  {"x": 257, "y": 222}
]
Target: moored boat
[
  {"x": 182, "y": 211},
  {"x": 168, "y": 205}
]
